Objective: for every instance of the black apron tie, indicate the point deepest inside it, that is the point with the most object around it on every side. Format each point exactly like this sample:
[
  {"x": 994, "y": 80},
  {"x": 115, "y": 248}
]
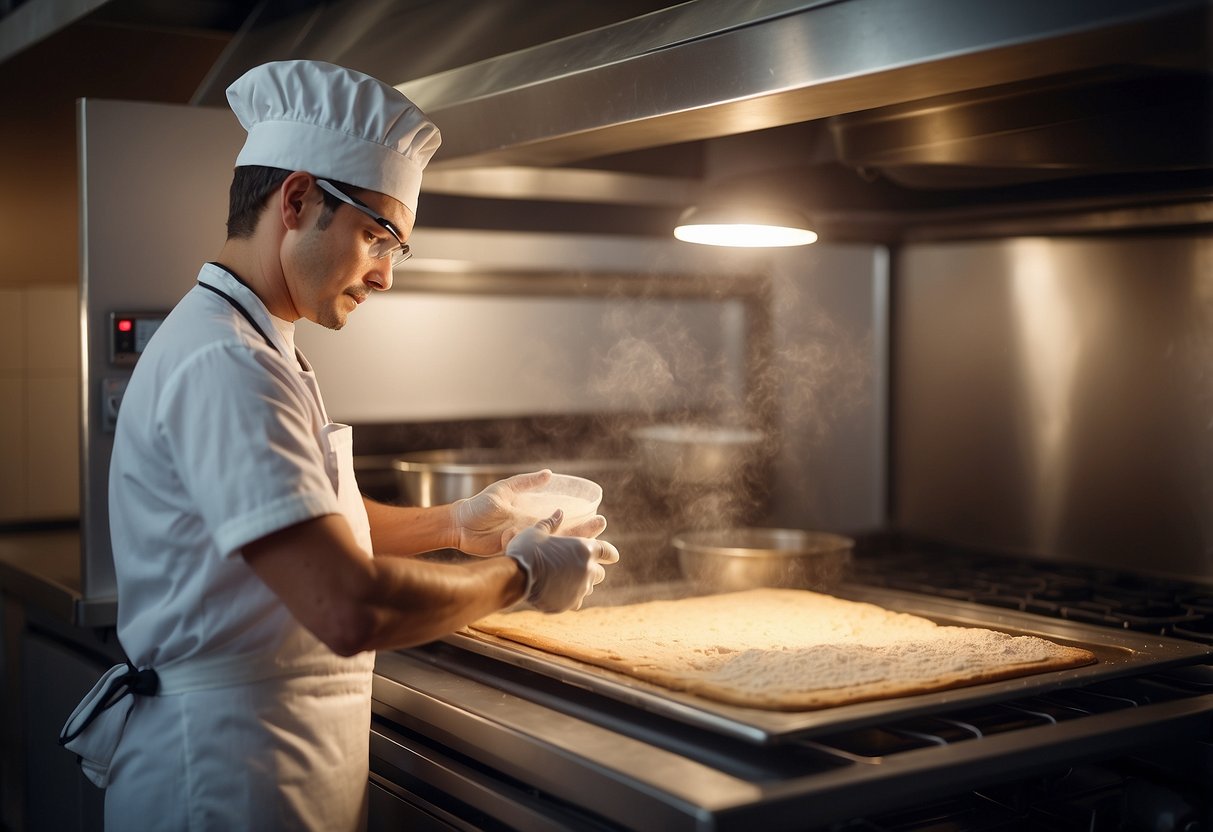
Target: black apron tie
[{"x": 143, "y": 682}]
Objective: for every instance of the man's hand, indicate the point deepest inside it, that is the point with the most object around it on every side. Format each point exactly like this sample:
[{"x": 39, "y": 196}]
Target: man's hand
[
  {"x": 560, "y": 571},
  {"x": 486, "y": 523}
]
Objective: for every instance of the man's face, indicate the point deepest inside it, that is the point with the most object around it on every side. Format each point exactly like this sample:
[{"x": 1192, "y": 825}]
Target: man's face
[{"x": 330, "y": 270}]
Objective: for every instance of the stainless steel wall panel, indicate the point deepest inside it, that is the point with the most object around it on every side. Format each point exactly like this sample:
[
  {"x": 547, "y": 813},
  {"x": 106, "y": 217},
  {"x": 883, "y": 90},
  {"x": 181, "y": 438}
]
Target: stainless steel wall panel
[
  {"x": 1055, "y": 396},
  {"x": 153, "y": 199},
  {"x": 826, "y": 386}
]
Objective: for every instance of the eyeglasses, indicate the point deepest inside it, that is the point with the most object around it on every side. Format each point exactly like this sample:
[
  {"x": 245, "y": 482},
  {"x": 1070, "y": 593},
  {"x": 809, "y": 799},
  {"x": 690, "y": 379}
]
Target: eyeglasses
[{"x": 380, "y": 248}]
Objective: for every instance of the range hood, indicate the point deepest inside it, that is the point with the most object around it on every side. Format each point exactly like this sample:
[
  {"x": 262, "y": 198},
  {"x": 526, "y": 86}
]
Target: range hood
[
  {"x": 866, "y": 110},
  {"x": 872, "y": 114},
  {"x": 713, "y": 68}
]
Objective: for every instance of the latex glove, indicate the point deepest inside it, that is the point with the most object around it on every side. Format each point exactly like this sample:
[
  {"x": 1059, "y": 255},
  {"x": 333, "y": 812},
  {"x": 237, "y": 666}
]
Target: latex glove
[
  {"x": 560, "y": 571},
  {"x": 488, "y": 522}
]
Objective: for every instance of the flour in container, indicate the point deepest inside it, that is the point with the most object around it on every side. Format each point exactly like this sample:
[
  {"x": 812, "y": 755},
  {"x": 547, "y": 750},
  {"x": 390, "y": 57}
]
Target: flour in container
[
  {"x": 541, "y": 504},
  {"x": 577, "y": 497}
]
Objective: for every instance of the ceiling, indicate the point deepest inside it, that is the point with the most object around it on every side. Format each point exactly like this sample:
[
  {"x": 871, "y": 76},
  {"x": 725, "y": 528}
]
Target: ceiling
[{"x": 822, "y": 103}]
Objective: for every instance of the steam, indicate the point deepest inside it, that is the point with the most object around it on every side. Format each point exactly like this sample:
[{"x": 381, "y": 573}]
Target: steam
[
  {"x": 810, "y": 375},
  {"x": 819, "y": 372},
  {"x": 657, "y": 364},
  {"x": 635, "y": 366},
  {"x": 790, "y": 375}
]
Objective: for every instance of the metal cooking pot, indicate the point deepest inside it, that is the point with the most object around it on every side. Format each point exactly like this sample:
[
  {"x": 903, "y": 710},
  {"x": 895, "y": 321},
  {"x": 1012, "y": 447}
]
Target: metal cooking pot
[
  {"x": 432, "y": 478},
  {"x": 724, "y": 560},
  {"x": 696, "y": 455}
]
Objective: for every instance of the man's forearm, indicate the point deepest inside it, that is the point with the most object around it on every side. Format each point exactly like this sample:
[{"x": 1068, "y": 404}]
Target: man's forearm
[{"x": 410, "y": 530}]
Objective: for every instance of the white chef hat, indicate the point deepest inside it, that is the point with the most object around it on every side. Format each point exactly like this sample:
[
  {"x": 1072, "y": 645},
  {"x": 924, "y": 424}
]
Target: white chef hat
[{"x": 335, "y": 123}]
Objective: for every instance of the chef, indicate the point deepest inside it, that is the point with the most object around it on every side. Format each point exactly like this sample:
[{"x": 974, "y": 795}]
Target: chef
[{"x": 249, "y": 603}]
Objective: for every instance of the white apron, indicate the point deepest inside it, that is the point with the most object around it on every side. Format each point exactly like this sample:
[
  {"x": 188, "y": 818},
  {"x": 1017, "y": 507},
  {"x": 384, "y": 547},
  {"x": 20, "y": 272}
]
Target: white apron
[{"x": 239, "y": 742}]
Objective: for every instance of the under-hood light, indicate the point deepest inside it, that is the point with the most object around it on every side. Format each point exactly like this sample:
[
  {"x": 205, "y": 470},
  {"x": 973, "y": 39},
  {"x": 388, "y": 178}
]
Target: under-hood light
[{"x": 744, "y": 227}]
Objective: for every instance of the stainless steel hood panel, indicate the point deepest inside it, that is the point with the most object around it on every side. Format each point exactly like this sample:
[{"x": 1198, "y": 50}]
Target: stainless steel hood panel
[{"x": 712, "y": 68}]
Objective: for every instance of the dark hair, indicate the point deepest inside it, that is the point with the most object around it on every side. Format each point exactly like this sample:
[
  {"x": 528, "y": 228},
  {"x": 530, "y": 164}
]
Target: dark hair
[{"x": 251, "y": 186}]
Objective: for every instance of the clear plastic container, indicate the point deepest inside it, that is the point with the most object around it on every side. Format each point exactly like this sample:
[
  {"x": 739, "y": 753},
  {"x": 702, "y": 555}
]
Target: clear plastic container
[{"x": 577, "y": 497}]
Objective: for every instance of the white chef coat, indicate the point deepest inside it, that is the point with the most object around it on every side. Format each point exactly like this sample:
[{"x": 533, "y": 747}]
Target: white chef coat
[{"x": 223, "y": 439}]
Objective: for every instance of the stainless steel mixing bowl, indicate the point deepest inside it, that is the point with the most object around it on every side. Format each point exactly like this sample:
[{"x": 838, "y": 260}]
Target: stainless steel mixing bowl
[
  {"x": 696, "y": 455},
  {"x": 724, "y": 560}
]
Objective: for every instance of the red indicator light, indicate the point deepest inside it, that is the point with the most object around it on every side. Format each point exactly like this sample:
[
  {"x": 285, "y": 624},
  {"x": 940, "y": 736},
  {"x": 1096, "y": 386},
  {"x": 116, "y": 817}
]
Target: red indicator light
[{"x": 125, "y": 325}]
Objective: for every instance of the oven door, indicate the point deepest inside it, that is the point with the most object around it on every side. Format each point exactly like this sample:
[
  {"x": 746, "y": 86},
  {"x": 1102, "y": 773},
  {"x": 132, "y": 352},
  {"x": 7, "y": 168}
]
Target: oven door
[
  {"x": 416, "y": 784},
  {"x": 391, "y": 806}
]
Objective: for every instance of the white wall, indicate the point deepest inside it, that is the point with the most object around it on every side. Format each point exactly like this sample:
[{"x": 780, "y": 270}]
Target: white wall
[{"x": 417, "y": 356}]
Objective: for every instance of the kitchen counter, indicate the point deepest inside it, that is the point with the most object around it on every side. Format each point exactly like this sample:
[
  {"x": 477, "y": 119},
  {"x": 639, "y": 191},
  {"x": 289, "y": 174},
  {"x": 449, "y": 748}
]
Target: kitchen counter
[
  {"x": 53, "y": 647},
  {"x": 43, "y": 569}
]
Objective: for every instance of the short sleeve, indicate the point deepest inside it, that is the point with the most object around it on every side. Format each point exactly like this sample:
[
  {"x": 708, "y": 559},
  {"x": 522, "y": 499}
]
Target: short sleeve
[{"x": 243, "y": 439}]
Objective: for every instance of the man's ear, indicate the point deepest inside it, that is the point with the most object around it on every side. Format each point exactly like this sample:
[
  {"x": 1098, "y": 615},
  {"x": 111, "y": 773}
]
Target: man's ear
[{"x": 292, "y": 203}]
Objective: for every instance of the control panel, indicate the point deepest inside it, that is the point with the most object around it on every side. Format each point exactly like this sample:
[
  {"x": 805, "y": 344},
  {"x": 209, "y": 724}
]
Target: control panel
[{"x": 129, "y": 333}]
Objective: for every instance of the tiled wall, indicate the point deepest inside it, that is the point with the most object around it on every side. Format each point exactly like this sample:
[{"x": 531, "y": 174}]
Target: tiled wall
[{"x": 39, "y": 403}]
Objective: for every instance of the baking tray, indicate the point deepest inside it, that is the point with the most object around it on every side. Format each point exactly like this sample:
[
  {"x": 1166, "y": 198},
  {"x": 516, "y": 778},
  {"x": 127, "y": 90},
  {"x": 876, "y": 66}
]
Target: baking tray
[{"x": 1118, "y": 653}]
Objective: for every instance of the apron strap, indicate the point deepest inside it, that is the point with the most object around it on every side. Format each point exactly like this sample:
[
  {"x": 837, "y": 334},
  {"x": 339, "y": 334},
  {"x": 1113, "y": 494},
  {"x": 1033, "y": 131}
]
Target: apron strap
[
  {"x": 303, "y": 363},
  {"x": 236, "y": 305},
  {"x": 196, "y": 674},
  {"x": 223, "y": 671}
]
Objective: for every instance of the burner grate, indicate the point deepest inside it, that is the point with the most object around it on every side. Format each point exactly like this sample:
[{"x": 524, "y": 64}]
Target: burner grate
[
  {"x": 872, "y": 743},
  {"x": 1091, "y": 595}
]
